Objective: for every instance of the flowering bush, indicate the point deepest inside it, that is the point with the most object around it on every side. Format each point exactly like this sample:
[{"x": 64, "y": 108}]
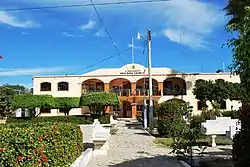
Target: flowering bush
[
  {"x": 170, "y": 117},
  {"x": 39, "y": 144}
]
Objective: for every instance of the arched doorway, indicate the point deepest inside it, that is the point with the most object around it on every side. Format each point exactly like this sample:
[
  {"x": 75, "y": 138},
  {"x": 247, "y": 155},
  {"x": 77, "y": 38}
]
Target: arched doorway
[
  {"x": 92, "y": 85},
  {"x": 142, "y": 87},
  {"x": 120, "y": 86},
  {"x": 174, "y": 86}
]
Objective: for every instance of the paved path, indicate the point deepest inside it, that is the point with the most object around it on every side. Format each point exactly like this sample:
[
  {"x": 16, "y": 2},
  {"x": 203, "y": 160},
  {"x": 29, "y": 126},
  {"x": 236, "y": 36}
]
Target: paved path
[{"x": 132, "y": 147}]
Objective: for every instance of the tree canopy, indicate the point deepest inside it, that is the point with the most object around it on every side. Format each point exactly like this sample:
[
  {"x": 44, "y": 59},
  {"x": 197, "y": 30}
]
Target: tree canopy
[
  {"x": 99, "y": 101},
  {"x": 31, "y": 102},
  {"x": 66, "y": 103},
  {"x": 217, "y": 91},
  {"x": 241, "y": 65},
  {"x": 235, "y": 9},
  {"x": 6, "y": 96}
]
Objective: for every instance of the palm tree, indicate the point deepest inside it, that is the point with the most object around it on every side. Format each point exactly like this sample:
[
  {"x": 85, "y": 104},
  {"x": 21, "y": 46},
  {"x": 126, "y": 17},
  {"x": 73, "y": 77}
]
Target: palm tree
[{"x": 236, "y": 9}]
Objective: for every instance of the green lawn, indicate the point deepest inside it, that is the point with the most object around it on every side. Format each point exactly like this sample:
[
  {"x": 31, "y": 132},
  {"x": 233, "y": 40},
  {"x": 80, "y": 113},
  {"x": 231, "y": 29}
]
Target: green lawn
[{"x": 220, "y": 140}]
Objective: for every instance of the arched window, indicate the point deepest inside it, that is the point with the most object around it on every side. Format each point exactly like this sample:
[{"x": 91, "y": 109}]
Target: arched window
[
  {"x": 45, "y": 86},
  {"x": 63, "y": 86}
]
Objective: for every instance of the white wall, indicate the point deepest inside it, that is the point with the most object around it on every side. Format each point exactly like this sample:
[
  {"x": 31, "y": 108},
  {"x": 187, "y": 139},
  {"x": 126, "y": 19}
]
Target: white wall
[{"x": 107, "y": 75}]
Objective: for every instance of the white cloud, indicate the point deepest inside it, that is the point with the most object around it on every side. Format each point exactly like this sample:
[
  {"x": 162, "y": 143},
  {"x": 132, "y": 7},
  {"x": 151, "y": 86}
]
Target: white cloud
[
  {"x": 32, "y": 71},
  {"x": 100, "y": 33},
  {"x": 66, "y": 34},
  {"x": 6, "y": 18},
  {"x": 90, "y": 25},
  {"x": 190, "y": 39},
  {"x": 194, "y": 20}
]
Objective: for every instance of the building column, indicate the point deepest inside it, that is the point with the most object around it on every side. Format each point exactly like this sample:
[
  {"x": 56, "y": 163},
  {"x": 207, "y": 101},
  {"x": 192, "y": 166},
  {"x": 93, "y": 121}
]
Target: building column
[
  {"x": 134, "y": 111},
  {"x": 133, "y": 88},
  {"x": 160, "y": 87},
  {"x": 106, "y": 87}
]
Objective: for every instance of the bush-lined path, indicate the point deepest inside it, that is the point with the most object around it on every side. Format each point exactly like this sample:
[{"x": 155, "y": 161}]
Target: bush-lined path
[{"x": 132, "y": 147}]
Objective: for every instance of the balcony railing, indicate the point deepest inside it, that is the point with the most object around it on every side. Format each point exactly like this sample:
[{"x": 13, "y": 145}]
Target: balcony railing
[
  {"x": 92, "y": 90},
  {"x": 142, "y": 92},
  {"x": 174, "y": 92},
  {"x": 122, "y": 92}
]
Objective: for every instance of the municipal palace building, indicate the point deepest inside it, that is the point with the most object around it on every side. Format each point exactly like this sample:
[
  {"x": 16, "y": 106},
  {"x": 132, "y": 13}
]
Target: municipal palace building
[{"x": 130, "y": 83}]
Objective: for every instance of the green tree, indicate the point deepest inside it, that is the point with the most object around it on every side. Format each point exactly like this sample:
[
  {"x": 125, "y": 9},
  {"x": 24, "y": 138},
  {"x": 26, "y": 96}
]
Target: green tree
[
  {"x": 99, "y": 101},
  {"x": 65, "y": 104},
  {"x": 6, "y": 96},
  {"x": 170, "y": 117},
  {"x": 235, "y": 9},
  {"x": 241, "y": 66},
  {"x": 19, "y": 89},
  {"x": 32, "y": 102},
  {"x": 214, "y": 92}
]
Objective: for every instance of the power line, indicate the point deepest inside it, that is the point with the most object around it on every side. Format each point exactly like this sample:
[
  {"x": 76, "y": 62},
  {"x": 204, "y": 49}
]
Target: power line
[
  {"x": 83, "y": 5},
  {"x": 107, "y": 58},
  {"x": 106, "y": 30}
]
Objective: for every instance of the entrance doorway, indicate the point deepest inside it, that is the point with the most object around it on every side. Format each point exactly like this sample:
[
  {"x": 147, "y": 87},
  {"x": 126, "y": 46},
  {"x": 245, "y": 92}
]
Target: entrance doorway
[{"x": 126, "y": 109}]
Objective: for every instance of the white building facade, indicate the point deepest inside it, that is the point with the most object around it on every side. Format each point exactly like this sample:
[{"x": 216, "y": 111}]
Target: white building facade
[{"x": 130, "y": 82}]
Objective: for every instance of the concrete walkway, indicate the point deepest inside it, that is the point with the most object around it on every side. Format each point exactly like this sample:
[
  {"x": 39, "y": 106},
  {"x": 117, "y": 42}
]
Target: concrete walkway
[{"x": 132, "y": 147}]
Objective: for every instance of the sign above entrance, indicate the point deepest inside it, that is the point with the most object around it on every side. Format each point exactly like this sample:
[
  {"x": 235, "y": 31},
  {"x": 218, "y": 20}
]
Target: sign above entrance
[
  {"x": 133, "y": 72},
  {"x": 133, "y": 69}
]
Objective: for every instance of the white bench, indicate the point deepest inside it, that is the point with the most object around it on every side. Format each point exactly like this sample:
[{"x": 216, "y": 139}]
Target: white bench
[{"x": 219, "y": 126}]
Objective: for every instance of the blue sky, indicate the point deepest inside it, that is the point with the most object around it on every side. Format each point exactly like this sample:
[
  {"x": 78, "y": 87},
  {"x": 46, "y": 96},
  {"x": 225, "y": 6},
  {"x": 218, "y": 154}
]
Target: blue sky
[{"x": 65, "y": 41}]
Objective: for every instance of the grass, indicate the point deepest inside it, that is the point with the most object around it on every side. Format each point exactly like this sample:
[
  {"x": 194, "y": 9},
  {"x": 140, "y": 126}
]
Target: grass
[
  {"x": 220, "y": 140},
  {"x": 164, "y": 142}
]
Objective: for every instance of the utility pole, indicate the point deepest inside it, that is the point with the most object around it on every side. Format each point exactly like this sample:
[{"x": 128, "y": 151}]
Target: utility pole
[
  {"x": 145, "y": 115},
  {"x": 150, "y": 79}
]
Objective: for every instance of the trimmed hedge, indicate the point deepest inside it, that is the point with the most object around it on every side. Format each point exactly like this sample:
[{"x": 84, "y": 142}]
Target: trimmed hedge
[
  {"x": 100, "y": 98},
  {"x": 99, "y": 101},
  {"x": 65, "y": 119},
  {"x": 31, "y": 101},
  {"x": 66, "y": 102},
  {"x": 39, "y": 144}
]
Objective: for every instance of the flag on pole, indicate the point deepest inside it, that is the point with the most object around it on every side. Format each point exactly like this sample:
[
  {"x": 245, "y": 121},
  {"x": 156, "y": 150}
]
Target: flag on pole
[{"x": 1, "y": 57}]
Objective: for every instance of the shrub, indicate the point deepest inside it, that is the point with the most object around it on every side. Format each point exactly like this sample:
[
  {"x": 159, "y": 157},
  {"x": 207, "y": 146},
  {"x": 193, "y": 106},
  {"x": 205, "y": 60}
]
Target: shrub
[
  {"x": 170, "y": 117},
  {"x": 241, "y": 144},
  {"x": 66, "y": 103},
  {"x": 40, "y": 144},
  {"x": 31, "y": 102},
  {"x": 230, "y": 113},
  {"x": 99, "y": 101},
  {"x": 6, "y": 96},
  {"x": 68, "y": 119},
  {"x": 105, "y": 119}
]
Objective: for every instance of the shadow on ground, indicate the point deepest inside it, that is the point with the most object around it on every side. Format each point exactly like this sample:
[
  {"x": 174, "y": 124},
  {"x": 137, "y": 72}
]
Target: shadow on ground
[
  {"x": 134, "y": 126},
  {"x": 144, "y": 134},
  {"x": 223, "y": 152},
  {"x": 88, "y": 145},
  {"x": 157, "y": 161}
]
